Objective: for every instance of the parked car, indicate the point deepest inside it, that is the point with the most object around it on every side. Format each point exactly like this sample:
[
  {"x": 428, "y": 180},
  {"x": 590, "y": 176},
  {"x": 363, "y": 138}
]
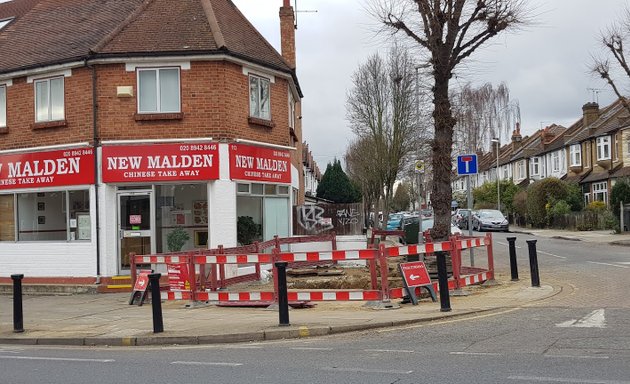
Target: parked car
[
  {"x": 490, "y": 219},
  {"x": 428, "y": 224},
  {"x": 393, "y": 222},
  {"x": 460, "y": 219}
]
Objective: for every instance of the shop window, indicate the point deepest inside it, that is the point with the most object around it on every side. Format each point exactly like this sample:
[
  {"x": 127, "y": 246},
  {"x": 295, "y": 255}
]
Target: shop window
[
  {"x": 249, "y": 224},
  {"x": 7, "y": 218},
  {"x": 54, "y": 216},
  {"x": 242, "y": 188},
  {"x": 257, "y": 189},
  {"x": 3, "y": 106},
  {"x": 259, "y": 98},
  {"x": 270, "y": 190},
  {"x": 283, "y": 190},
  {"x": 49, "y": 99},
  {"x": 158, "y": 90},
  {"x": 181, "y": 212}
]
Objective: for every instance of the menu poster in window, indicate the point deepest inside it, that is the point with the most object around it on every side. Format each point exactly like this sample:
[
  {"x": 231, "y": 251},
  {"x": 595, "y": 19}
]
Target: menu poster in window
[
  {"x": 83, "y": 226},
  {"x": 200, "y": 212}
]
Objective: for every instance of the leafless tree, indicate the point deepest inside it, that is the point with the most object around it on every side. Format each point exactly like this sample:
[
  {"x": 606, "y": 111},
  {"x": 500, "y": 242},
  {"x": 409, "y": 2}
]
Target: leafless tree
[
  {"x": 616, "y": 71},
  {"x": 361, "y": 168},
  {"x": 482, "y": 114},
  {"x": 448, "y": 31},
  {"x": 381, "y": 109}
]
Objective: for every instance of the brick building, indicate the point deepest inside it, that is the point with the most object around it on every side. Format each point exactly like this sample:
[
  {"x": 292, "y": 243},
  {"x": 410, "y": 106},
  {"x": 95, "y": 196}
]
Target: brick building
[{"x": 123, "y": 120}]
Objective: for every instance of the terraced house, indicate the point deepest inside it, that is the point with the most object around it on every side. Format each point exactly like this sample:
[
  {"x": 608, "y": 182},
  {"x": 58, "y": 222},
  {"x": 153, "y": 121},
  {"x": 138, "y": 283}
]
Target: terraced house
[
  {"x": 123, "y": 120},
  {"x": 594, "y": 152}
]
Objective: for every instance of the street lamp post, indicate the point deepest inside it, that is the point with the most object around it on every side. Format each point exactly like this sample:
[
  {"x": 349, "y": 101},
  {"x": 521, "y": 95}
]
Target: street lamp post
[{"x": 498, "y": 141}]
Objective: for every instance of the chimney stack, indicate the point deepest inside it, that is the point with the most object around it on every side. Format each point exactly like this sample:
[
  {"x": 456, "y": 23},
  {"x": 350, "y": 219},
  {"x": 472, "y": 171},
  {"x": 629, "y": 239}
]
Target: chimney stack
[
  {"x": 516, "y": 137},
  {"x": 287, "y": 33},
  {"x": 590, "y": 113}
]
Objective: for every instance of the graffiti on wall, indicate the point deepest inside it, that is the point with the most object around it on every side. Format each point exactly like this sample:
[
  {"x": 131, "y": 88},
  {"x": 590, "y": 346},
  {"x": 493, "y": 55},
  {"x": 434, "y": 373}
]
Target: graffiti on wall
[{"x": 344, "y": 219}]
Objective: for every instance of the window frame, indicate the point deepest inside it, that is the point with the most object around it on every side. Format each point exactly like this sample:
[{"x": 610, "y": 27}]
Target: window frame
[
  {"x": 292, "y": 117},
  {"x": 603, "y": 145},
  {"x": 260, "y": 80},
  {"x": 555, "y": 161},
  {"x": 575, "y": 153},
  {"x": 158, "y": 89},
  {"x": 48, "y": 80},
  {"x": 3, "y": 106},
  {"x": 600, "y": 188},
  {"x": 535, "y": 168}
]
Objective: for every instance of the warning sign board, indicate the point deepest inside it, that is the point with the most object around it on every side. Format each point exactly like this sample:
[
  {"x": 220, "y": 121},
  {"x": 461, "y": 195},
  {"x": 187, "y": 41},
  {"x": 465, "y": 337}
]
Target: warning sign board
[
  {"x": 139, "y": 292},
  {"x": 414, "y": 275},
  {"x": 178, "y": 277}
]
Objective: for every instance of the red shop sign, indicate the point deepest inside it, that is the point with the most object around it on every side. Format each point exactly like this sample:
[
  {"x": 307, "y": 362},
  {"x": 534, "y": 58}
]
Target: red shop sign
[
  {"x": 160, "y": 162},
  {"x": 47, "y": 169},
  {"x": 259, "y": 164}
]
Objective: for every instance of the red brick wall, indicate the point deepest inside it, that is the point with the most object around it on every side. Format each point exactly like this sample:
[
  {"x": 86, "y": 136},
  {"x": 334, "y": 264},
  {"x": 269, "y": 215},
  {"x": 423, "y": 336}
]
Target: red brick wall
[{"x": 20, "y": 132}]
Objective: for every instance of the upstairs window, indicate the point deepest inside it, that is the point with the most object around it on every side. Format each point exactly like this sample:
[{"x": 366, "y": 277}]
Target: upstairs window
[
  {"x": 535, "y": 161},
  {"x": 555, "y": 162},
  {"x": 575, "y": 153},
  {"x": 603, "y": 148},
  {"x": 3, "y": 106},
  {"x": 158, "y": 90},
  {"x": 49, "y": 102},
  {"x": 520, "y": 168},
  {"x": 291, "y": 111},
  {"x": 259, "y": 98}
]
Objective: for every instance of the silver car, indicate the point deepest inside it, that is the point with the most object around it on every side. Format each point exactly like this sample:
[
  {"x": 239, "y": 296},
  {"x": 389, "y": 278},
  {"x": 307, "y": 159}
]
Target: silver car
[{"x": 489, "y": 220}]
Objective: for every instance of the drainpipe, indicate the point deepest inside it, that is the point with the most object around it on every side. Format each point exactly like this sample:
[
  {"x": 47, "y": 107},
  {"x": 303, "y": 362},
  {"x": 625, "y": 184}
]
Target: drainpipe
[{"x": 96, "y": 144}]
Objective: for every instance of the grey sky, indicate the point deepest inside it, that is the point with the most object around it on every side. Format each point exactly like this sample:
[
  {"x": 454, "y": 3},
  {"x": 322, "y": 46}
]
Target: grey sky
[{"x": 545, "y": 66}]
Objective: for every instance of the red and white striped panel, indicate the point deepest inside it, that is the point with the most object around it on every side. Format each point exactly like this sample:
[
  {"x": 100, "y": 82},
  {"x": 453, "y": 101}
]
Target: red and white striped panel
[
  {"x": 335, "y": 296},
  {"x": 418, "y": 249},
  {"x": 474, "y": 279},
  {"x": 471, "y": 243},
  {"x": 219, "y": 296},
  {"x": 151, "y": 259},
  {"x": 361, "y": 254},
  {"x": 234, "y": 259}
]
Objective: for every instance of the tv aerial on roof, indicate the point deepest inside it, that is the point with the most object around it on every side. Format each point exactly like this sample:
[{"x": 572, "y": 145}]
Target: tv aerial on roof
[
  {"x": 295, "y": 7},
  {"x": 595, "y": 94}
]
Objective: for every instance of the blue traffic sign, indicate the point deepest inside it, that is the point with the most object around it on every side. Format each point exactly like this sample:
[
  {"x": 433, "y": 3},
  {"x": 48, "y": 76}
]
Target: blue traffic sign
[{"x": 467, "y": 165}]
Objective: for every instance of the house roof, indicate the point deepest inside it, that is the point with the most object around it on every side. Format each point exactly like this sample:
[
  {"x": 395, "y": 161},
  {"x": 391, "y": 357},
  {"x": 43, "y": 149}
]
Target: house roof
[
  {"x": 54, "y": 32},
  {"x": 607, "y": 122}
]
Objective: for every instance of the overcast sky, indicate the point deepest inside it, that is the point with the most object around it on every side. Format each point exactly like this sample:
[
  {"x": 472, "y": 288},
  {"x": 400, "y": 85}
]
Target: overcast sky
[{"x": 544, "y": 66}]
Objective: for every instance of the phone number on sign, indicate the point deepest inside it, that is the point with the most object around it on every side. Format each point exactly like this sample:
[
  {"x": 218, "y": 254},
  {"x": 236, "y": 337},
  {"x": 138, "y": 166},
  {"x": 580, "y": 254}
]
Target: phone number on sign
[
  {"x": 78, "y": 152},
  {"x": 198, "y": 147}
]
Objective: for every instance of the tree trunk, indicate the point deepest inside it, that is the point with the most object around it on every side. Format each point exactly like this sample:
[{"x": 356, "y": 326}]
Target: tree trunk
[{"x": 442, "y": 148}]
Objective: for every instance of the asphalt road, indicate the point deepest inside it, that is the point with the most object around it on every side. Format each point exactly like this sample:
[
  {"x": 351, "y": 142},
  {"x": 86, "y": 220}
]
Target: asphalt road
[{"x": 581, "y": 335}]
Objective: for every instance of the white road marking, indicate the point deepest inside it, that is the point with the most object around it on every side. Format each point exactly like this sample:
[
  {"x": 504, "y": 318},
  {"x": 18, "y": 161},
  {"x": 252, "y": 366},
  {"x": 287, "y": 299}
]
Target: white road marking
[
  {"x": 625, "y": 262},
  {"x": 551, "y": 254},
  {"x": 58, "y": 359},
  {"x": 565, "y": 380},
  {"x": 388, "y": 350},
  {"x": 595, "y": 319},
  {"x": 311, "y": 349},
  {"x": 363, "y": 370},
  {"x": 207, "y": 363},
  {"x": 475, "y": 353},
  {"x": 577, "y": 357},
  {"x": 517, "y": 247},
  {"x": 610, "y": 265}
]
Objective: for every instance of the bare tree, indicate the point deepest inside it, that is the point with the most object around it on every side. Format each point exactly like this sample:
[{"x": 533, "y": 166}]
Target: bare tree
[
  {"x": 381, "y": 109},
  {"x": 361, "y": 168},
  {"x": 449, "y": 31},
  {"x": 612, "y": 41}
]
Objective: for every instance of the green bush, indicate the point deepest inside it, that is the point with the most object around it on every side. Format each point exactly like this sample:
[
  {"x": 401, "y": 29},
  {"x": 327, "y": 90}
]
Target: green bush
[
  {"x": 520, "y": 203},
  {"x": 620, "y": 193},
  {"x": 542, "y": 196},
  {"x": 485, "y": 196},
  {"x": 176, "y": 239},
  {"x": 574, "y": 198},
  {"x": 596, "y": 206},
  {"x": 560, "y": 207}
]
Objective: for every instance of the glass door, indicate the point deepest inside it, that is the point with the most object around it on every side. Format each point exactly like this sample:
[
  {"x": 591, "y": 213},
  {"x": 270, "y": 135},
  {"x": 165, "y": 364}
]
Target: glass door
[{"x": 135, "y": 230}]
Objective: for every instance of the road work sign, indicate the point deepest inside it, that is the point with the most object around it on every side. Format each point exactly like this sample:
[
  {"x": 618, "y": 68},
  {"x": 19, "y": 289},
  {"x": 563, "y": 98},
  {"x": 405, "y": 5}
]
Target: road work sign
[{"x": 414, "y": 275}]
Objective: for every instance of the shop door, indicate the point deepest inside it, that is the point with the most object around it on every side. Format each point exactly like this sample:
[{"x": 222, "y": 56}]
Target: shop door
[
  {"x": 276, "y": 218},
  {"x": 134, "y": 226}
]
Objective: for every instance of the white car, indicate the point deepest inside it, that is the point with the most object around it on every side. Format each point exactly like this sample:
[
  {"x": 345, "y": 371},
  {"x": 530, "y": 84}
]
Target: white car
[{"x": 428, "y": 224}]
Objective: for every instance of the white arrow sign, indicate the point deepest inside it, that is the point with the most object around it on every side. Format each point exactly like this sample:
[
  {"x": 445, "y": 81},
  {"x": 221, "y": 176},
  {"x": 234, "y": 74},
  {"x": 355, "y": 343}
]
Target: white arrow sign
[
  {"x": 414, "y": 277},
  {"x": 141, "y": 283},
  {"x": 594, "y": 319}
]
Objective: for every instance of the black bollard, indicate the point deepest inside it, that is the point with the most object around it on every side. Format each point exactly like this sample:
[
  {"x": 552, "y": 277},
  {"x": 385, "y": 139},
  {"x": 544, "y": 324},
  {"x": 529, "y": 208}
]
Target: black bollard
[
  {"x": 445, "y": 301},
  {"x": 533, "y": 263},
  {"x": 513, "y": 266},
  {"x": 283, "y": 297},
  {"x": 156, "y": 302},
  {"x": 18, "y": 318}
]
